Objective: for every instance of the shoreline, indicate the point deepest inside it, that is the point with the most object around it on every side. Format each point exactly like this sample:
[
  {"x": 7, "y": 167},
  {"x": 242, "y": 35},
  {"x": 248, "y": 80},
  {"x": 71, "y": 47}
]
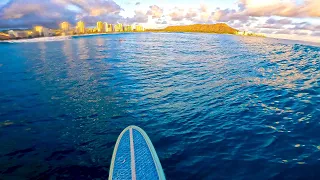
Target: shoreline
[
  {"x": 57, "y": 38},
  {"x": 198, "y": 32},
  {"x": 63, "y": 37}
]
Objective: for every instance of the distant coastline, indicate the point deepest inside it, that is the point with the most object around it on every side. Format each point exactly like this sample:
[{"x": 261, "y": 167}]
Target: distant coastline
[
  {"x": 219, "y": 28},
  {"x": 51, "y": 38},
  {"x": 66, "y": 29},
  {"x": 57, "y": 38},
  {"x": 97, "y": 34}
]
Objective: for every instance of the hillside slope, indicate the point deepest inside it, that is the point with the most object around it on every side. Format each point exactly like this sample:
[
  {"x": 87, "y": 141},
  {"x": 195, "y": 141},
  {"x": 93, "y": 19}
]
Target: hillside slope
[{"x": 219, "y": 28}]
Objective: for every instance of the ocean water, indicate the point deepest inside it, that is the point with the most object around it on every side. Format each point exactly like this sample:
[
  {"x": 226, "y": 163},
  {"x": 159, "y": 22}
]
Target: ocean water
[{"x": 215, "y": 106}]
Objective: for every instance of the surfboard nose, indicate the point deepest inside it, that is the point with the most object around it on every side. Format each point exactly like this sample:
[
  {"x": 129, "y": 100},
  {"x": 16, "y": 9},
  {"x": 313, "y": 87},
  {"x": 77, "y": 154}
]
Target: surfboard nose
[{"x": 134, "y": 157}]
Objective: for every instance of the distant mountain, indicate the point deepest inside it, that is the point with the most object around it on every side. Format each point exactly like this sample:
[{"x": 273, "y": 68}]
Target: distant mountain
[{"x": 219, "y": 28}]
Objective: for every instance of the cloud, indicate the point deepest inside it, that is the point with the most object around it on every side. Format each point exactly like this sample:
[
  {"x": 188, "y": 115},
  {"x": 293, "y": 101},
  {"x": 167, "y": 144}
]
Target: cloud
[
  {"x": 204, "y": 15},
  {"x": 155, "y": 11},
  {"x": 313, "y": 7},
  {"x": 289, "y": 24},
  {"x": 268, "y": 8},
  {"x": 272, "y": 23},
  {"x": 257, "y": 8},
  {"x": 18, "y": 13},
  {"x": 93, "y": 7},
  {"x": 283, "y": 31},
  {"x": 306, "y": 26},
  {"x": 271, "y": 26},
  {"x": 235, "y": 24},
  {"x": 228, "y": 15},
  {"x": 110, "y": 18},
  {"x": 49, "y": 13},
  {"x": 316, "y": 33},
  {"x": 266, "y": 31},
  {"x": 250, "y": 11},
  {"x": 159, "y": 21},
  {"x": 270, "y": 16},
  {"x": 285, "y": 8},
  {"x": 279, "y": 21},
  {"x": 301, "y": 32},
  {"x": 139, "y": 17},
  {"x": 177, "y": 14},
  {"x": 203, "y": 8},
  {"x": 18, "y": 10},
  {"x": 196, "y": 15},
  {"x": 191, "y": 14}
]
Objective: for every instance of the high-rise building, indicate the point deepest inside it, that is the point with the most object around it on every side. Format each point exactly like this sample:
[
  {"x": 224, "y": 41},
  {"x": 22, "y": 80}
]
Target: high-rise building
[
  {"x": 30, "y": 33},
  {"x": 47, "y": 32},
  {"x": 118, "y": 27},
  {"x": 65, "y": 26},
  {"x": 81, "y": 28},
  {"x": 128, "y": 28},
  {"x": 100, "y": 27},
  {"x": 17, "y": 34},
  {"x": 38, "y": 30},
  {"x": 42, "y": 31},
  {"x": 108, "y": 27},
  {"x": 139, "y": 28}
]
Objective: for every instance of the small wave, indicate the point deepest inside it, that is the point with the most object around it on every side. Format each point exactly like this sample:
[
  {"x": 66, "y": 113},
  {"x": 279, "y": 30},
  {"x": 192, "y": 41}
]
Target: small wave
[{"x": 41, "y": 39}]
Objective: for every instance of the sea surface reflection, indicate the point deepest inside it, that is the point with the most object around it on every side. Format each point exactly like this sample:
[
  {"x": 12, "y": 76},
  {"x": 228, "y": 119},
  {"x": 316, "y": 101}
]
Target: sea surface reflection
[{"x": 215, "y": 106}]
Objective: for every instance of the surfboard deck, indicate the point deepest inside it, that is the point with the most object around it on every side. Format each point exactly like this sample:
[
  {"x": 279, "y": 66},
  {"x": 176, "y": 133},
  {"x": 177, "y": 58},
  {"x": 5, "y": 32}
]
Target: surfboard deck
[{"x": 134, "y": 157}]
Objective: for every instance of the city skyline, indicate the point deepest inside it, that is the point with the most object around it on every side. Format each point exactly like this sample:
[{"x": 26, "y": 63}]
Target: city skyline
[
  {"x": 290, "y": 19},
  {"x": 67, "y": 29},
  {"x": 100, "y": 26}
]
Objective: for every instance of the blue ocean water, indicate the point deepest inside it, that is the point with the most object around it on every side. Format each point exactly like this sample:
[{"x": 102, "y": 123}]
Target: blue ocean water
[{"x": 215, "y": 106}]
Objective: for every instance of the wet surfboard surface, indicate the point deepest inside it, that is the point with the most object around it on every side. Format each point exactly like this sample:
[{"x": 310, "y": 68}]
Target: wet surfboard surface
[{"x": 134, "y": 157}]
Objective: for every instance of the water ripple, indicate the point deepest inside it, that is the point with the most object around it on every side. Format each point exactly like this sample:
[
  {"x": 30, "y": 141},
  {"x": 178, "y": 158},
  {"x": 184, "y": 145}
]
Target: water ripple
[{"x": 215, "y": 106}]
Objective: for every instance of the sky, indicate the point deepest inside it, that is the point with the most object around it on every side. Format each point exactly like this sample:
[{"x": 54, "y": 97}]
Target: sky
[{"x": 289, "y": 19}]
